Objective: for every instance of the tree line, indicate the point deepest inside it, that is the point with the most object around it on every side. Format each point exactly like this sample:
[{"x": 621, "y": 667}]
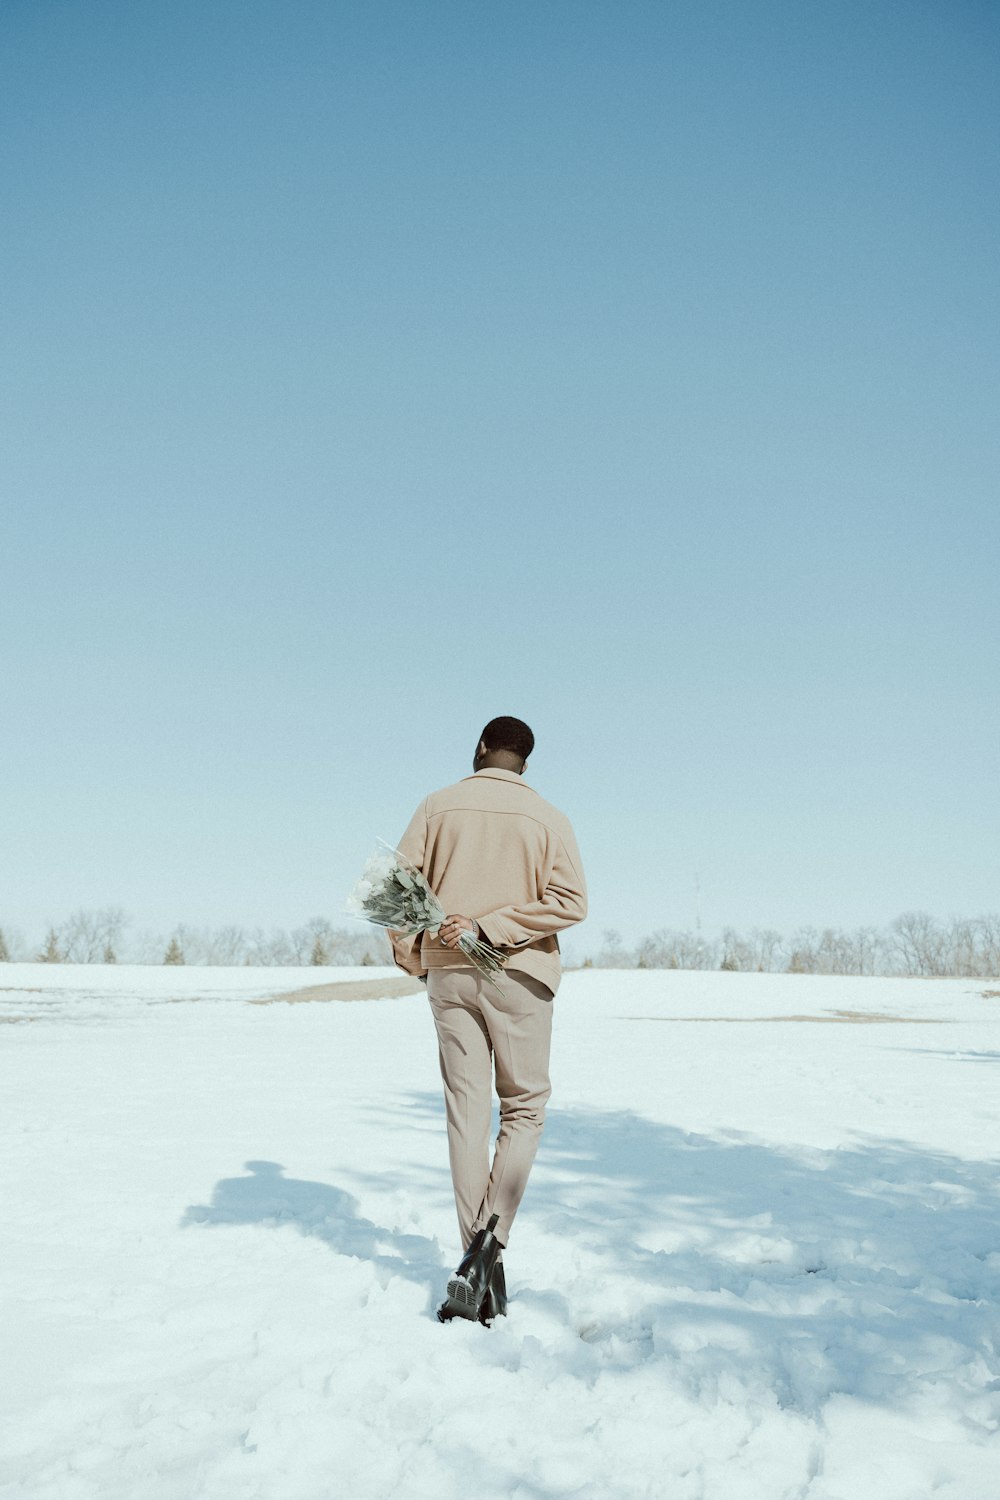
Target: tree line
[
  {"x": 914, "y": 944},
  {"x": 105, "y": 936}
]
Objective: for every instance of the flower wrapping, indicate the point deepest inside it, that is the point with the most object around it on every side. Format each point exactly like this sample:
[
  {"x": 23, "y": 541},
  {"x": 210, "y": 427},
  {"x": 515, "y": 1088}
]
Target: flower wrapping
[{"x": 394, "y": 894}]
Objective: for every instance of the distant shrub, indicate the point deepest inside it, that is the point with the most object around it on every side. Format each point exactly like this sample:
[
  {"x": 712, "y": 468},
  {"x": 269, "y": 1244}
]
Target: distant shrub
[{"x": 51, "y": 953}]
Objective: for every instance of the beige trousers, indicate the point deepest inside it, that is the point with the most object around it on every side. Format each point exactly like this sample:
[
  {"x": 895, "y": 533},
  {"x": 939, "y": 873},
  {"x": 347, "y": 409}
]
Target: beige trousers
[{"x": 481, "y": 1030}]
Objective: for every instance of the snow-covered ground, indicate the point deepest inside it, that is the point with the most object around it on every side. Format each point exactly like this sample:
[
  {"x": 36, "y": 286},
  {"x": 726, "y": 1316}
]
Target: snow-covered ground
[{"x": 758, "y": 1259}]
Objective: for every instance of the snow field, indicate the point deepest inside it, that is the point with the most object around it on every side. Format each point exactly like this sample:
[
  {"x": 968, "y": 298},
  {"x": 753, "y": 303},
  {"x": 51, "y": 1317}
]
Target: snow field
[{"x": 756, "y": 1259}]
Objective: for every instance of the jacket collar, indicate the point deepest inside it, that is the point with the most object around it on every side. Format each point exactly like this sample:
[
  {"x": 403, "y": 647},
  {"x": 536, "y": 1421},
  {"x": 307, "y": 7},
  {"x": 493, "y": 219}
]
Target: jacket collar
[{"x": 499, "y": 773}]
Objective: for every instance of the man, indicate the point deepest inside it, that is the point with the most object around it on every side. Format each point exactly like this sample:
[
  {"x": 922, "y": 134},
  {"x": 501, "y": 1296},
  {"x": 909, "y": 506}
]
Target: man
[{"x": 505, "y": 865}]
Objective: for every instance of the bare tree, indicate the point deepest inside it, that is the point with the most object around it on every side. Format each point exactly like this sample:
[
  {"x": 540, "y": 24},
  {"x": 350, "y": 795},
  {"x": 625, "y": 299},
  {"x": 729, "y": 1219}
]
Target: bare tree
[
  {"x": 803, "y": 958},
  {"x": 226, "y": 945},
  {"x": 988, "y": 945},
  {"x": 834, "y": 951},
  {"x": 613, "y": 955},
  {"x": 272, "y": 948},
  {"x": 677, "y": 950},
  {"x": 4, "y": 950},
  {"x": 301, "y": 939},
  {"x": 919, "y": 944},
  {"x": 87, "y": 934},
  {"x": 973, "y": 946},
  {"x": 355, "y": 945},
  {"x": 869, "y": 950},
  {"x": 758, "y": 952},
  {"x": 766, "y": 948},
  {"x": 736, "y": 953},
  {"x": 147, "y": 947},
  {"x": 359, "y": 945}
]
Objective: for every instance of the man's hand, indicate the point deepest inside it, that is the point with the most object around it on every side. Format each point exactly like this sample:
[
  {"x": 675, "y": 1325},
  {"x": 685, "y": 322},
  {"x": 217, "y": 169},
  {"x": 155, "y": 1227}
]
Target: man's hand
[{"x": 453, "y": 927}]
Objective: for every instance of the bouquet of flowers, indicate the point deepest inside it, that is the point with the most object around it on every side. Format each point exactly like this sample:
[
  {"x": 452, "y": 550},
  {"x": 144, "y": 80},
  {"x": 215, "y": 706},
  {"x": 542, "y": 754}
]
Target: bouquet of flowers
[{"x": 394, "y": 893}]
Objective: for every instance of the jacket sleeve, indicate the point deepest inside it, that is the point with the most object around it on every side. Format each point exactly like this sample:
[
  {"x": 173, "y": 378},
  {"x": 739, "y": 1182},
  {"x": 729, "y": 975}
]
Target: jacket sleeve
[
  {"x": 563, "y": 903},
  {"x": 406, "y": 945}
]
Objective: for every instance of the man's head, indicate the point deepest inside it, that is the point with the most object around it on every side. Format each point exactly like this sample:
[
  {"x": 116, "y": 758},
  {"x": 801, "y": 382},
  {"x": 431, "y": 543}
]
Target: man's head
[{"x": 505, "y": 743}]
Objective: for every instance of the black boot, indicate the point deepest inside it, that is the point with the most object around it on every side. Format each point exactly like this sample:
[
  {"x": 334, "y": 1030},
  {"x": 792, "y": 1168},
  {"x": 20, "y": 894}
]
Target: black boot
[
  {"x": 447, "y": 1310},
  {"x": 494, "y": 1304},
  {"x": 470, "y": 1283}
]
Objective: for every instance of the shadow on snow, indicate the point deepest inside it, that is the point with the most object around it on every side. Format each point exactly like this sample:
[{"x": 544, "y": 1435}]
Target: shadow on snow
[
  {"x": 864, "y": 1269},
  {"x": 269, "y": 1198}
]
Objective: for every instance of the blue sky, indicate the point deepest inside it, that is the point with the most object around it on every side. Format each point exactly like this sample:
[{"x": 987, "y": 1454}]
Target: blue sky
[{"x": 370, "y": 370}]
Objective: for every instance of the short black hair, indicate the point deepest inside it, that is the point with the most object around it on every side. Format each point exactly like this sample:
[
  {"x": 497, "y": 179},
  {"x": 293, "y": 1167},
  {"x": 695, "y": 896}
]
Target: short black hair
[{"x": 509, "y": 734}]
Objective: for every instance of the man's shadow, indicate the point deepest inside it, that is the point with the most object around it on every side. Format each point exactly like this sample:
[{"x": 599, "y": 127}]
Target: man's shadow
[
  {"x": 268, "y": 1197},
  {"x": 814, "y": 1270},
  {"x": 789, "y": 1259}
]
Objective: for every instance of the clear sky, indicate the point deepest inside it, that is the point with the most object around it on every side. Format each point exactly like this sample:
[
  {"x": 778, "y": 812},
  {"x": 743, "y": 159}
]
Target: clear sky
[{"x": 371, "y": 369}]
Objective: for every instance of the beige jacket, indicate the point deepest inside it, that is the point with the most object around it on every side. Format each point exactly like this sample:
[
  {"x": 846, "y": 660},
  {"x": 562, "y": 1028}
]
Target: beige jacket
[{"x": 493, "y": 849}]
